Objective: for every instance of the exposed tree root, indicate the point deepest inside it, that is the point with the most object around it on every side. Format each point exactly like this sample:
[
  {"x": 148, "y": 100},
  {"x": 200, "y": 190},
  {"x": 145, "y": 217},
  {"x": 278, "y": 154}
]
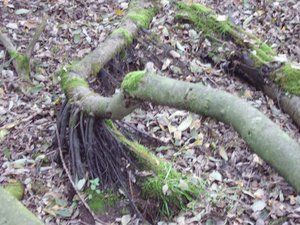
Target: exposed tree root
[
  {"x": 72, "y": 183},
  {"x": 94, "y": 150}
]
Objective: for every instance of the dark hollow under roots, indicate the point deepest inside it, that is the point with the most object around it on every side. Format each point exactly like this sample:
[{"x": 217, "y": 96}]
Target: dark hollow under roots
[{"x": 94, "y": 151}]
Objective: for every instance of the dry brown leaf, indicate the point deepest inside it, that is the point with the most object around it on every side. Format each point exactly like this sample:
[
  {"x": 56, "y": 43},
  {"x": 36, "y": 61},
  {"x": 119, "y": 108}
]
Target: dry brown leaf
[
  {"x": 119, "y": 12},
  {"x": 5, "y": 3}
]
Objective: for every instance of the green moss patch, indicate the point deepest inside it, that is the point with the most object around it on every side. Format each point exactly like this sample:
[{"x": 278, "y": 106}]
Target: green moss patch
[
  {"x": 68, "y": 84},
  {"x": 169, "y": 187},
  {"x": 131, "y": 81},
  {"x": 16, "y": 189},
  {"x": 99, "y": 202},
  {"x": 289, "y": 79},
  {"x": 142, "y": 17},
  {"x": 204, "y": 19},
  {"x": 262, "y": 53},
  {"x": 124, "y": 33},
  {"x": 22, "y": 63}
]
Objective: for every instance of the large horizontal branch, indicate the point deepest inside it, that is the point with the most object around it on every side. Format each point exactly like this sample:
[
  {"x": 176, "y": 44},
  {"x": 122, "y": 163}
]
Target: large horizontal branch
[{"x": 260, "y": 133}]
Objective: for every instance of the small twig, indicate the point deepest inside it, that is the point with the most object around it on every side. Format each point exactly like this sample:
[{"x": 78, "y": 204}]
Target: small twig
[
  {"x": 22, "y": 68},
  {"x": 72, "y": 183},
  {"x": 36, "y": 37},
  {"x": 7, "y": 43}
]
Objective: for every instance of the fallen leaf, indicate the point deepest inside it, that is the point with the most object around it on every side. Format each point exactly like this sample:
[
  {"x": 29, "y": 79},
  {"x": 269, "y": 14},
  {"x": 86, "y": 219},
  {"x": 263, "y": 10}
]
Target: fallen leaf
[
  {"x": 179, "y": 46},
  {"x": 5, "y": 3},
  {"x": 13, "y": 26},
  {"x": 64, "y": 212},
  {"x": 258, "y": 206},
  {"x": 185, "y": 124},
  {"x": 177, "y": 135},
  {"x": 125, "y": 219},
  {"x": 3, "y": 133},
  {"x": 183, "y": 185},
  {"x": 166, "y": 64},
  {"x": 119, "y": 12},
  {"x": 280, "y": 58},
  {"x": 22, "y": 11},
  {"x": 165, "y": 189},
  {"x": 80, "y": 184},
  {"x": 215, "y": 176},
  {"x": 259, "y": 194},
  {"x": 223, "y": 153},
  {"x": 222, "y": 18}
]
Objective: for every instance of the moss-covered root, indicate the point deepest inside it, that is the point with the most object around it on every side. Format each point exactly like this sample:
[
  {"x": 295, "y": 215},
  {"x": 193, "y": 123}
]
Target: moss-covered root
[
  {"x": 169, "y": 187},
  {"x": 260, "y": 133},
  {"x": 13, "y": 212},
  {"x": 20, "y": 61},
  {"x": 22, "y": 65}
]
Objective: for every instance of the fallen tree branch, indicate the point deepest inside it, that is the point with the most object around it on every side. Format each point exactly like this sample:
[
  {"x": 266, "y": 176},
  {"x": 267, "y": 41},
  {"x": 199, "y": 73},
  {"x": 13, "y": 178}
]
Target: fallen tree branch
[
  {"x": 255, "y": 59},
  {"x": 260, "y": 133}
]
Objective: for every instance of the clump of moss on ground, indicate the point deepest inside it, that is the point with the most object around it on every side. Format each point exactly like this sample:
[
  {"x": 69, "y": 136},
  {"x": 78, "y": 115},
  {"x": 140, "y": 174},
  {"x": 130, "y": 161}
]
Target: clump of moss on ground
[{"x": 99, "y": 202}]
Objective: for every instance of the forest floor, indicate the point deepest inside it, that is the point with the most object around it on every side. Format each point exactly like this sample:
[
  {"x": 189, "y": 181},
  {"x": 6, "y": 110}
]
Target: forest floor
[{"x": 241, "y": 188}]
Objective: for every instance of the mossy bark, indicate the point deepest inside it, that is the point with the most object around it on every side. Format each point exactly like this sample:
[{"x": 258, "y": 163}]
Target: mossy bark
[
  {"x": 20, "y": 61},
  {"x": 253, "y": 58},
  {"x": 263, "y": 136},
  {"x": 13, "y": 212},
  {"x": 179, "y": 189},
  {"x": 139, "y": 15}
]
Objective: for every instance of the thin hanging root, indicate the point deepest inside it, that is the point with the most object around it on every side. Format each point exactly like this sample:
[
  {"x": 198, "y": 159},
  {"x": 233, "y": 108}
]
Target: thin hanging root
[
  {"x": 71, "y": 181},
  {"x": 91, "y": 142}
]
